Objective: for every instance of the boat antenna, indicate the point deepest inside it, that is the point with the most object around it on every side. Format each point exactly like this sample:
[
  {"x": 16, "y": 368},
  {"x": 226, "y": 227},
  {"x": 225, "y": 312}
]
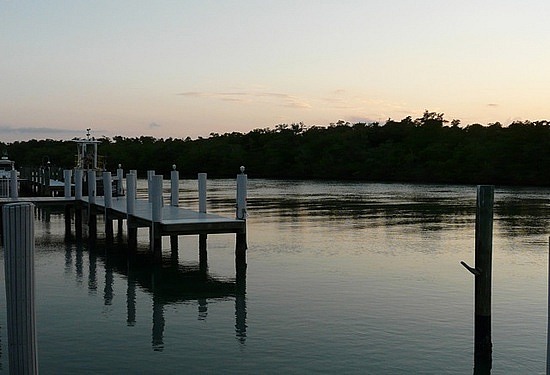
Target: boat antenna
[{"x": 88, "y": 132}]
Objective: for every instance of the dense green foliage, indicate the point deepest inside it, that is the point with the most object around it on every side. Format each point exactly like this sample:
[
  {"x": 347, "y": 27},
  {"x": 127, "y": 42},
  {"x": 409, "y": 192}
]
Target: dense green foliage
[{"x": 427, "y": 149}]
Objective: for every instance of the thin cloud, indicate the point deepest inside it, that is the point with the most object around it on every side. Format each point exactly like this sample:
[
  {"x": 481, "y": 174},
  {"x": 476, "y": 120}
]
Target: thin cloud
[
  {"x": 492, "y": 105},
  {"x": 38, "y": 130},
  {"x": 281, "y": 99},
  {"x": 154, "y": 125}
]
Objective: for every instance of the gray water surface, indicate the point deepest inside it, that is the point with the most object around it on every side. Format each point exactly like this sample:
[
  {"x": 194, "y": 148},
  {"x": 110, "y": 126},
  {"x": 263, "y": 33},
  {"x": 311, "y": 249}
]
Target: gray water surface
[{"x": 342, "y": 278}]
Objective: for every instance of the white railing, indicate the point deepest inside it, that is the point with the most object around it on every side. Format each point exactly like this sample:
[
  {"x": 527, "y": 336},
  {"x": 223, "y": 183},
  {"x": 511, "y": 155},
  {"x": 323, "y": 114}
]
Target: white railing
[{"x": 4, "y": 188}]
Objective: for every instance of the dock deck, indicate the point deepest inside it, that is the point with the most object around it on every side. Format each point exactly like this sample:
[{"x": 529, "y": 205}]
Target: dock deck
[
  {"x": 175, "y": 220},
  {"x": 153, "y": 213}
]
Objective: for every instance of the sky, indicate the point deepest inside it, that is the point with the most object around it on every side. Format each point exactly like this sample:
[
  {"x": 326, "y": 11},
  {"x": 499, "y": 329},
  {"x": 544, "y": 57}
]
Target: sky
[{"x": 192, "y": 68}]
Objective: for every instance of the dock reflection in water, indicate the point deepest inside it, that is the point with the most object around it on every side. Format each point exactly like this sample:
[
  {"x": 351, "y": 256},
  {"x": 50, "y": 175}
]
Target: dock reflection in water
[{"x": 168, "y": 282}]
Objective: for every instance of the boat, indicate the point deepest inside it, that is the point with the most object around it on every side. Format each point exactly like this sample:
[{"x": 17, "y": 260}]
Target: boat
[
  {"x": 87, "y": 159},
  {"x": 6, "y": 166}
]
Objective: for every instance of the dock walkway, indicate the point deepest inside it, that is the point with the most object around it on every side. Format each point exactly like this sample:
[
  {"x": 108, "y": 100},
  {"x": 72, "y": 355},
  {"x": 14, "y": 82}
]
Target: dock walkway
[{"x": 161, "y": 219}]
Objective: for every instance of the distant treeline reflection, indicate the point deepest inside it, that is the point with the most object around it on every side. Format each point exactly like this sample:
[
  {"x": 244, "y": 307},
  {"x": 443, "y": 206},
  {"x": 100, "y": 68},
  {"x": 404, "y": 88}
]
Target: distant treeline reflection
[{"x": 426, "y": 149}]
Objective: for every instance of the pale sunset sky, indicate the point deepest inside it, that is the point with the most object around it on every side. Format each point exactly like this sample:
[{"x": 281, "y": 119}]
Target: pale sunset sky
[{"x": 191, "y": 68}]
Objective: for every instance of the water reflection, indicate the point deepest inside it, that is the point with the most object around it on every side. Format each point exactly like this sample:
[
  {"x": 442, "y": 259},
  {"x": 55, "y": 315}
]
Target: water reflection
[
  {"x": 92, "y": 268},
  {"x": 167, "y": 283},
  {"x": 433, "y": 207},
  {"x": 1, "y": 348},
  {"x": 131, "y": 300},
  {"x": 483, "y": 364}
]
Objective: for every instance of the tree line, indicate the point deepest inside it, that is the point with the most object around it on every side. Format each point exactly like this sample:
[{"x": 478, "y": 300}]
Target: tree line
[{"x": 428, "y": 149}]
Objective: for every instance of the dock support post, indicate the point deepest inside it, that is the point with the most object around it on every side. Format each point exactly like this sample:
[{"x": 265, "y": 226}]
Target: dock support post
[
  {"x": 156, "y": 216},
  {"x": 47, "y": 178},
  {"x": 18, "y": 228},
  {"x": 174, "y": 187},
  {"x": 203, "y": 238},
  {"x": 203, "y": 253},
  {"x": 150, "y": 175},
  {"x": 78, "y": 203},
  {"x": 174, "y": 201},
  {"x": 13, "y": 184},
  {"x": 92, "y": 217},
  {"x": 119, "y": 229},
  {"x": 67, "y": 194},
  {"x": 130, "y": 209},
  {"x": 78, "y": 184},
  {"x": 67, "y": 221},
  {"x": 202, "y": 192},
  {"x": 241, "y": 245},
  {"x": 120, "y": 179},
  {"x": 67, "y": 180},
  {"x": 108, "y": 197}
]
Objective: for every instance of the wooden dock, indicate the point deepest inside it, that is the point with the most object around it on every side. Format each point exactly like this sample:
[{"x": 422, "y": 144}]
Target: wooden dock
[{"x": 162, "y": 218}]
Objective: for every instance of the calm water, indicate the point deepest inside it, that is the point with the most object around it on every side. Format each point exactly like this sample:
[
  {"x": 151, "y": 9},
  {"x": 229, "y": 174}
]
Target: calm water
[{"x": 342, "y": 278}]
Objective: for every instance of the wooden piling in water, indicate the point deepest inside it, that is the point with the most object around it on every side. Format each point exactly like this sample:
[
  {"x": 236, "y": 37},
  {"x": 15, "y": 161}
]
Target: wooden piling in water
[
  {"x": 482, "y": 271},
  {"x": 18, "y": 228},
  {"x": 548, "y": 314},
  {"x": 241, "y": 245},
  {"x": 483, "y": 263}
]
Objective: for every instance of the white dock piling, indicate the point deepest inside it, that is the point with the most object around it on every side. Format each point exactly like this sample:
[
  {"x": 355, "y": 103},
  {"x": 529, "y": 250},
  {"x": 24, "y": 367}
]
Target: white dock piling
[
  {"x": 174, "y": 187},
  {"x": 108, "y": 189},
  {"x": 202, "y": 192},
  {"x": 108, "y": 198},
  {"x": 78, "y": 184},
  {"x": 67, "y": 179},
  {"x": 174, "y": 201},
  {"x": 131, "y": 207},
  {"x": 18, "y": 229},
  {"x": 203, "y": 238},
  {"x": 13, "y": 184},
  {"x": 119, "y": 177},
  {"x": 150, "y": 175},
  {"x": 156, "y": 190},
  {"x": 91, "y": 186},
  {"x": 131, "y": 193},
  {"x": 156, "y": 216}
]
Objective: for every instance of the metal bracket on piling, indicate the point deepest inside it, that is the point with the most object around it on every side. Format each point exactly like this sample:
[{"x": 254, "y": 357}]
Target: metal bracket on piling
[{"x": 474, "y": 271}]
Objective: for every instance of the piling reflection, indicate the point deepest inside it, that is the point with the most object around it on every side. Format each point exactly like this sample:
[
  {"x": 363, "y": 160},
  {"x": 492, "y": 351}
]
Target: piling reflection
[
  {"x": 168, "y": 282},
  {"x": 483, "y": 364},
  {"x": 68, "y": 259},
  {"x": 92, "y": 268},
  {"x": 1, "y": 369},
  {"x": 131, "y": 300}
]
